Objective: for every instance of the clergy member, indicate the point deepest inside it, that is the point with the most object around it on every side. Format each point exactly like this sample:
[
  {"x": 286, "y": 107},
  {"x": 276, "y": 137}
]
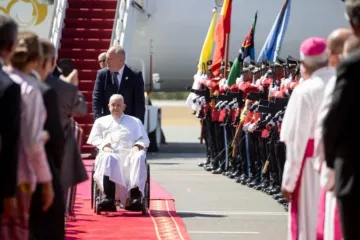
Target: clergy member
[
  {"x": 328, "y": 226},
  {"x": 300, "y": 185},
  {"x": 120, "y": 166}
]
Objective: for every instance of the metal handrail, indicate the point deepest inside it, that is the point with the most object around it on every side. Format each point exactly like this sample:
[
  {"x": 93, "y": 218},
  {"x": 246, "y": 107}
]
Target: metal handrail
[
  {"x": 117, "y": 14},
  {"x": 58, "y": 23}
]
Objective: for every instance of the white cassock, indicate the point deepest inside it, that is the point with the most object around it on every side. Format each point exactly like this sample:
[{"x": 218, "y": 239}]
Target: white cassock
[
  {"x": 297, "y": 132},
  {"x": 329, "y": 225},
  {"x": 124, "y": 167}
]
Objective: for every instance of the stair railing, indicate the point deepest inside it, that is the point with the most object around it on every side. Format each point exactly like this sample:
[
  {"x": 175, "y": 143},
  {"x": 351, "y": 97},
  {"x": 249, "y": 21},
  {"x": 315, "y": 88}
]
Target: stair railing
[
  {"x": 58, "y": 23},
  {"x": 125, "y": 23},
  {"x": 117, "y": 22}
]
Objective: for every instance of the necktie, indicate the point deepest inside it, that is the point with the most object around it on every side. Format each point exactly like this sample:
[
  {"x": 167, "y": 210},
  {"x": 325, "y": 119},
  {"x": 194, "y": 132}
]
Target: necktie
[{"x": 116, "y": 80}]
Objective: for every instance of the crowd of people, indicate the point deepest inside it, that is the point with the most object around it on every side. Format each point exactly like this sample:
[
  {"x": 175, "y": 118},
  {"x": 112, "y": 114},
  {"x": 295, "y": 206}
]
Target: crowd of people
[
  {"x": 39, "y": 153},
  {"x": 39, "y": 139},
  {"x": 289, "y": 128}
]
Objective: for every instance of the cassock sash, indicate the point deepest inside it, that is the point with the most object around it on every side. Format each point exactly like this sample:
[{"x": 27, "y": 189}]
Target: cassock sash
[{"x": 309, "y": 152}]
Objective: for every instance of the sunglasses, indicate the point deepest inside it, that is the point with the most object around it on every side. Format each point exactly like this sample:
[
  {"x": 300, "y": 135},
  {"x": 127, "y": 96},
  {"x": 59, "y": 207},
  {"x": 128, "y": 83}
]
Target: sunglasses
[{"x": 101, "y": 61}]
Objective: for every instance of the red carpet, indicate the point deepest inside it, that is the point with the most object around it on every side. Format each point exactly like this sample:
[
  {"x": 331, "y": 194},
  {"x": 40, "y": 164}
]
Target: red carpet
[
  {"x": 86, "y": 34},
  {"x": 161, "y": 223}
]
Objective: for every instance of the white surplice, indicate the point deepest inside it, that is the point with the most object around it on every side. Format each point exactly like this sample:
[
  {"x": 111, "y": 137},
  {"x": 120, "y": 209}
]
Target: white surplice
[
  {"x": 124, "y": 167},
  {"x": 297, "y": 131}
]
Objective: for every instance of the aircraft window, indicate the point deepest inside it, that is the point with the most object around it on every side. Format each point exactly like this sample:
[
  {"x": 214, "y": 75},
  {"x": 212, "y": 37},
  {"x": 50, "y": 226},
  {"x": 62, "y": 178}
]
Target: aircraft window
[{"x": 219, "y": 3}]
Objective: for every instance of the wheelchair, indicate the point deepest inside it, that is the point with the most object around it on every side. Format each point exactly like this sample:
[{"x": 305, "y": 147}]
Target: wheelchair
[{"x": 96, "y": 194}]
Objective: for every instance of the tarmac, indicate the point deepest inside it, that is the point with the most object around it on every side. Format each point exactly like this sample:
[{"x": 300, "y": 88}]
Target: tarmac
[{"x": 212, "y": 207}]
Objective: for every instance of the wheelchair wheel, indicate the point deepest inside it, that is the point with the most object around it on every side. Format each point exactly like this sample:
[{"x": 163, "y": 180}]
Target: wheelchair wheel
[
  {"x": 97, "y": 211},
  {"x": 92, "y": 185},
  {"x": 95, "y": 195},
  {"x": 97, "y": 201},
  {"x": 146, "y": 199}
]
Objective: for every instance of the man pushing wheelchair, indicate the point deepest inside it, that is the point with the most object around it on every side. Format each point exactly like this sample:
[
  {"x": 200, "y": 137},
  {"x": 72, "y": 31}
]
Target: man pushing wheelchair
[{"x": 120, "y": 166}]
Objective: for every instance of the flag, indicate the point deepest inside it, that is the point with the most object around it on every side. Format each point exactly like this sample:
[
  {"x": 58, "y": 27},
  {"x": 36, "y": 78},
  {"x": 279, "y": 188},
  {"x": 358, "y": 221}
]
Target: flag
[
  {"x": 272, "y": 45},
  {"x": 247, "y": 50},
  {"x": 223, "y": 27},
  {"x": 206, "y": 51}
]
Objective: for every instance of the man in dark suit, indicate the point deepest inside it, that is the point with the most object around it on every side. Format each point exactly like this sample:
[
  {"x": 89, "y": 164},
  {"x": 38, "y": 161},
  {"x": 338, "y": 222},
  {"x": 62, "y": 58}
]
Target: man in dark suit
[
  {"x": 341, "y": 133},
  {"x": 10, "y": 100},
  {"x": 49, "y": 224},
  {"x": 118, "y": 78}
]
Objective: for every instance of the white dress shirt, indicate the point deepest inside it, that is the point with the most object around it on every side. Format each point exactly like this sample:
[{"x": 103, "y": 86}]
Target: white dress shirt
[{"x": 120, "y": 74}]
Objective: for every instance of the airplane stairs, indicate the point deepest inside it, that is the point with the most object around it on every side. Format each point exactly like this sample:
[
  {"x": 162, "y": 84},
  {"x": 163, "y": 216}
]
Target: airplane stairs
[{"x": 87, "y": 31}]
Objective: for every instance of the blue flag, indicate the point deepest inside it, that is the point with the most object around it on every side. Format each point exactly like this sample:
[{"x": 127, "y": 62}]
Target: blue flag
[{"x": 272, "y": 45}]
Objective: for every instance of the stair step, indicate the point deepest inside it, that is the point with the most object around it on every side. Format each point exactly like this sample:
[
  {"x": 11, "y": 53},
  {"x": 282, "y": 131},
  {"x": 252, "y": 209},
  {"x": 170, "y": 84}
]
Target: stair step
[
  {"x": 86, "y": 85},
  {"x": 86, "y": 33},
  {"x": 87, "y": 119},
  {"x": 86, "y": 127},
  {"x": 87, "y": 157},
  {"x": 87, "y": 95},
  {"x": 89, "y": 107},
  {"x": 90, "y": 13},
  {"x": 87, "y": 74},
  {"x": 87, "y": 148},
  {"x": 86, "y": 64},
  {"x": 80, "y": 53},
  {"x": 85, "y": 43},
  {"x": 103, "y": 4},
  {"x": 89, "y": 23}
]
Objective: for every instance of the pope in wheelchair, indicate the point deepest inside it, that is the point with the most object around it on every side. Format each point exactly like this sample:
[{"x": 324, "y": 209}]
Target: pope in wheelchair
[{"x": 120, "y": 166}]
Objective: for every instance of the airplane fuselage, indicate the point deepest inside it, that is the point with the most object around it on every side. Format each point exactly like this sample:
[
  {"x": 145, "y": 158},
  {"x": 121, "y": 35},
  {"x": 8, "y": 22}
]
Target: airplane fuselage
[{"x": 178, "y": 29}]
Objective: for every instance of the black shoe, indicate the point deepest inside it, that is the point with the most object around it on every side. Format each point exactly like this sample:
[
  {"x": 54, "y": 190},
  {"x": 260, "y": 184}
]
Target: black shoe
[
  {"x": 217, "y": 171},
  {"x": 135, "y": 205},
  {"x": 254, "y": 183},
  {"x": 275, "y": 190},
  {"x": 240, "y": 178},
  {"x": 286, "y": 207},
  {"x": 249, "y": 180},
  {"x": 277, "y": 196},
  {"x": 203, "y": 163},
  {"x": 234, "y": 174},
  {"x": 261, "y": 186},
  {"x": 268, "y": 189},
  {"x": 210, "y": 167},
  {"x": 107, "y": 205}
]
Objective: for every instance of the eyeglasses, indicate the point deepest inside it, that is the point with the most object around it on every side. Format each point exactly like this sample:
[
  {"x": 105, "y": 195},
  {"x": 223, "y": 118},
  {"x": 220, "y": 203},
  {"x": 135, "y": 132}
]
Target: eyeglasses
[{"x": 101, "y": 61}]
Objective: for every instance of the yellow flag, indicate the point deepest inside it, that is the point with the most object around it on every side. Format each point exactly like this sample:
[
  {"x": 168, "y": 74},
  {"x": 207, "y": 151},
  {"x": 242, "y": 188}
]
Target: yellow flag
[{"x": 207, "y": 48}]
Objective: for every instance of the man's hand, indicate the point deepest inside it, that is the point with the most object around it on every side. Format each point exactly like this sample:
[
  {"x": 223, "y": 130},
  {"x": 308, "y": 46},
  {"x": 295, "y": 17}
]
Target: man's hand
[
  {"x": 46, "y": 137},
  {"x": 47, "y": 193},
  {"x": 10, "y": 206},
  {"x": 72, "y": 78},
  {"x": 137, "y": 148},
  {"x": 287, "y": 195},
  {"x": 107, "y": 148}
]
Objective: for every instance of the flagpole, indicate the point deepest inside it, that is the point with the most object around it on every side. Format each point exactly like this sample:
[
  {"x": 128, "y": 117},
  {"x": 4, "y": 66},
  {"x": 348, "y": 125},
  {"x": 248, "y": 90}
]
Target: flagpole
[{"x": 227, "y": 43}]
